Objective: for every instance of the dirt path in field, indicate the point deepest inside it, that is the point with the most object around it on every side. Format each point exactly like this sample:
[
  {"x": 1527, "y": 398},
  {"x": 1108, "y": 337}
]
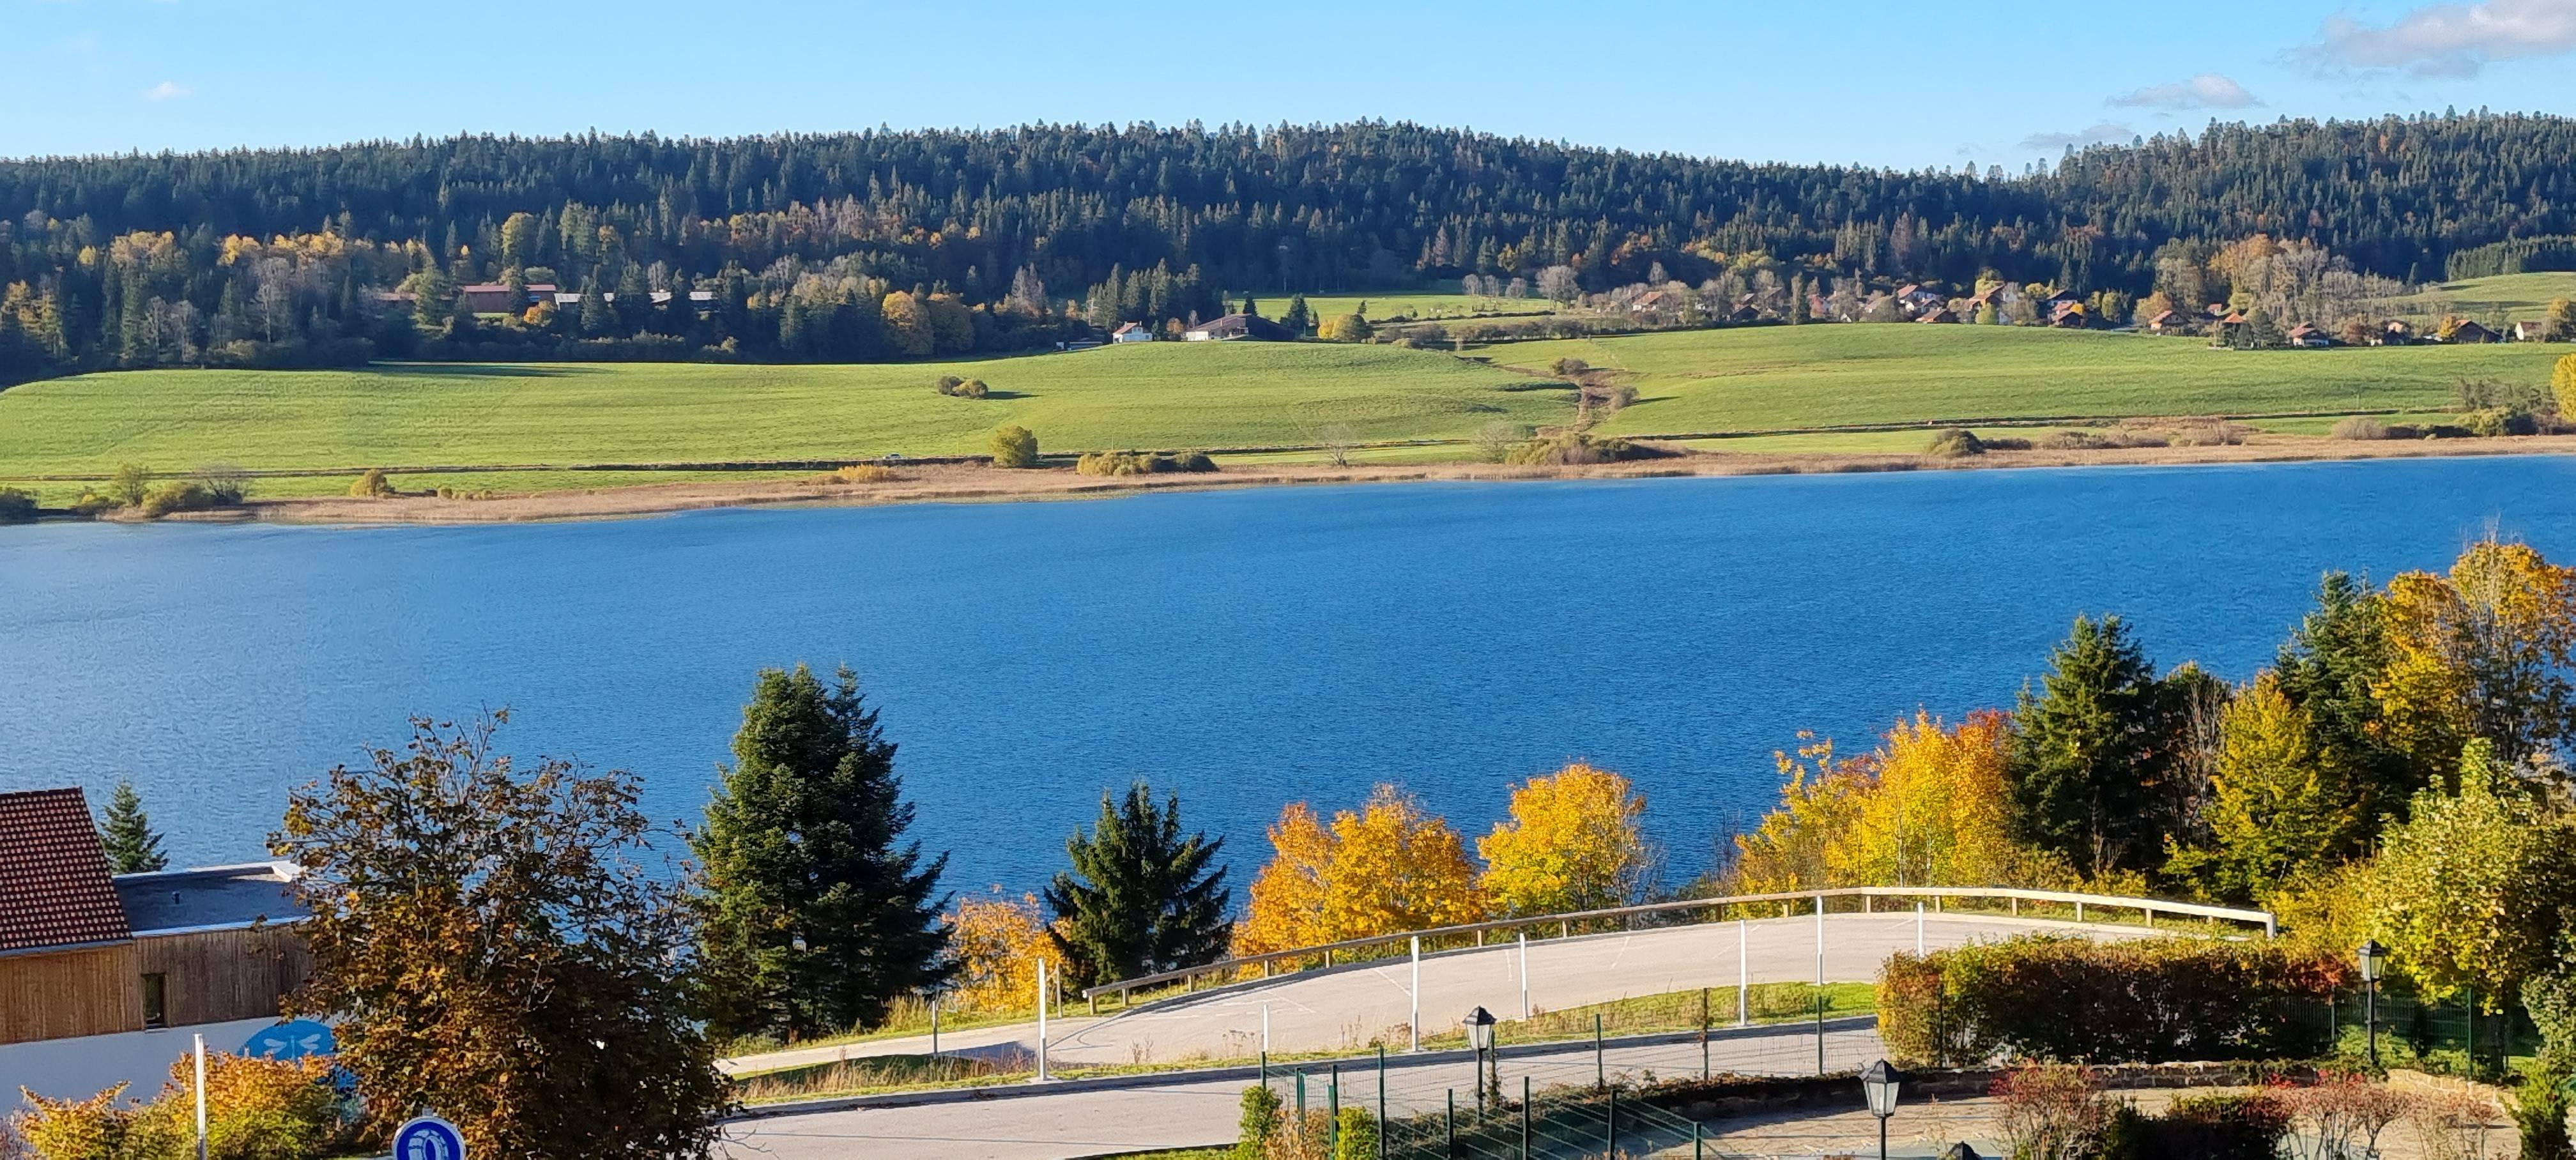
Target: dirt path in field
[{"x": 966, "y": 483}]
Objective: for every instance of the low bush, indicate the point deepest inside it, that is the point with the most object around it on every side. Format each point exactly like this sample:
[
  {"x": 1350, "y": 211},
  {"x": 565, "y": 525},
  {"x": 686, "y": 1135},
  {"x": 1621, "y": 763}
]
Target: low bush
[
  {"x": 1955, "y": 443},
  {"x": 92, "y": 505},
  {"x": 2209, "y": 1126},
  {"x": 2102, "y": 440},
  {"x": 2080, "y": 1001},
  {"x": 947, "y": 384},
  {"x": 2006, "y": 443},
  {"x": 2494, "y": 422},
  {"x": 2215, "y": 433},
  {"x": 2361, "y": 427},
  {"x": 373, "y": 485},
  {"x": 179, "y": 497},
  {"x": 971, "y": 389},
  {"x": 256, "y": 1109},
  {"x": 1573, "y": 448},
  {"x": 1261, "y": 1107},
  {"x": 859, "y": 473},
  {"x": 1112, "y": 463},
  {"x": 1015, "y": 446},
  {"x": 16, "y": 507}
]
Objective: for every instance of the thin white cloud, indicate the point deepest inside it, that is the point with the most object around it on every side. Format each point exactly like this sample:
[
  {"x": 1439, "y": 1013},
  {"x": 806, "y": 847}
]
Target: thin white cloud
[
  {"x": 166, "y": 90},
  {"x": 2101, "y": 134},
  {"x": 2205, "y": 91},
  {"x": 2448, "y": 40}
]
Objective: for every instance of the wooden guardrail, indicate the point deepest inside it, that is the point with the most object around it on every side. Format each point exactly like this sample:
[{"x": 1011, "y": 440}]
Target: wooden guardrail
[{"x": 1565, "y": 923}]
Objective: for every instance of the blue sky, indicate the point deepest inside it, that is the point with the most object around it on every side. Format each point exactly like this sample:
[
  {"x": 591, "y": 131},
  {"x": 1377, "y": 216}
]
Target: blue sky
[{"x": 1897, "y": 84}]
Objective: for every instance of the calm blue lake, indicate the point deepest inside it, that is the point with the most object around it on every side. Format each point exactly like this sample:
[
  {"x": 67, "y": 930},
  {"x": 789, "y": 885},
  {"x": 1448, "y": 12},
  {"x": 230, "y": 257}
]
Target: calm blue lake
[{"x": 1247, "y": 647}]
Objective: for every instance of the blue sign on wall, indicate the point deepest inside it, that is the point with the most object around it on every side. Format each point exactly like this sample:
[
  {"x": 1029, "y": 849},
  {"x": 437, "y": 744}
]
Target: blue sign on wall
[
  {"x": 290, "y": 1040},
  {"x": 428, "y": 1138}
]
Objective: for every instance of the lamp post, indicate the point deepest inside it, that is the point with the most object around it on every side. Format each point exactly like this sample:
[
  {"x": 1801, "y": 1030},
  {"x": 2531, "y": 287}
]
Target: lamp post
[
  {"x": 1480, "y": 1035},
  {"x": 1878, "y": 1084},
  {"x": 2374, "y": 959}
]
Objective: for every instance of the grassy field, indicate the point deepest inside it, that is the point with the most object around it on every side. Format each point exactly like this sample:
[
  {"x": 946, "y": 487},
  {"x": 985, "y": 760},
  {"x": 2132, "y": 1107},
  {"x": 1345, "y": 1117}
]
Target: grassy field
[
  {"x": 1159, "y": 395},
  {"x": 1785, "y": 377},
  {"x": 1180, "y": 395},
  {"x": 2520, "y": 296},
  {"x": 1418, "y": 304}
]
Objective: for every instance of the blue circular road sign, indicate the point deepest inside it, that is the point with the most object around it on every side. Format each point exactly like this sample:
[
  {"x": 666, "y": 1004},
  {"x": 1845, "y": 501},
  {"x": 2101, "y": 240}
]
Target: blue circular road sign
[
  {"x": 293, "y": 1039},
  {"x": 428, "y": 1138}
]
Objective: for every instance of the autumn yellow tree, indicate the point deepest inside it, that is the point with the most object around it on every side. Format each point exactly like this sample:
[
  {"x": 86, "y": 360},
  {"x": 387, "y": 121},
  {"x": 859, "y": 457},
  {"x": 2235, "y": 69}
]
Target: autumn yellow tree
[
  {"x": 1285, "y": 907},
  {"x": 2278, "y": 809},
  {"x": 1574, "y": 843},
  {"x": 1385, "y": 868},
  {"x": 1820, "y": 801},
  {"x": 1939, "y": 811},
  {"x": 997, "y": 942},
  {"x": 2480, "y": 653},
  {"x": 1395, "y": 868}
]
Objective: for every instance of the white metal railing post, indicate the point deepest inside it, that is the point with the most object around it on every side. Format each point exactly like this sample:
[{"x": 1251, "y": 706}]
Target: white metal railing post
[
  {"x": 1525, "y": 995},
  {"x": 1918, "y": 928},
  {"x": 201, "y": 1097},
  {"x": 1743, "y": 975},
  {"x": 1820, "y": 942},
  {"x": 1265, "y": 1031},
  {"x": 1416, "y": 1021},
  {"x": 1042, "y": 1006}
]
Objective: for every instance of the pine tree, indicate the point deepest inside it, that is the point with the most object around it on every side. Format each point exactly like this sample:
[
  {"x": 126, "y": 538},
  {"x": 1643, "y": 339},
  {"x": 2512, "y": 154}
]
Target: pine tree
[
  {"x": 1299, "y": 319},
  {"x": 1141, "y": 897},
  {"x": 819, "y": 915},
  {"x": 2091, "y": 750},
  {"x": 133, "y": 847}
]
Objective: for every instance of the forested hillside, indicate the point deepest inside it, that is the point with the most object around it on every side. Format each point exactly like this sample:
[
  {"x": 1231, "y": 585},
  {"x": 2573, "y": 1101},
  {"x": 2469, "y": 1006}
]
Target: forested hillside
[{"x": 894, "y": 244}]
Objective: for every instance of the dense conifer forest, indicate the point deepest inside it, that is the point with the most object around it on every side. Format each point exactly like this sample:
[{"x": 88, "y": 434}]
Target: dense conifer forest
[{"x": 889, "y": 245}]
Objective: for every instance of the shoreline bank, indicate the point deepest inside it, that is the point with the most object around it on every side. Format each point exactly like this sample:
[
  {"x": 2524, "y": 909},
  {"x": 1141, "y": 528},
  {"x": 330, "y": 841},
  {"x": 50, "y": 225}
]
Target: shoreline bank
[{"x": 966, "y": 483}]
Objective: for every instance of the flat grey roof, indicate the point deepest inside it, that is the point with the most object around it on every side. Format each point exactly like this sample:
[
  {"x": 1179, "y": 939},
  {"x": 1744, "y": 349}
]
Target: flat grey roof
[{"x": 213, "y": 896}]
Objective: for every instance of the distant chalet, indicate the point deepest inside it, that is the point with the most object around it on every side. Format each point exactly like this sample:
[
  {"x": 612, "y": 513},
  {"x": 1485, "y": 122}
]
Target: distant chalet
[{"x": 1238, "y": 327}]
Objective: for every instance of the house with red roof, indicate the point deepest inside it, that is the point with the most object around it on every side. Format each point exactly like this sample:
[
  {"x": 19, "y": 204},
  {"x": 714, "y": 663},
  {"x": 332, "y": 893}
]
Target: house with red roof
[{"x": 84, "y": 951}]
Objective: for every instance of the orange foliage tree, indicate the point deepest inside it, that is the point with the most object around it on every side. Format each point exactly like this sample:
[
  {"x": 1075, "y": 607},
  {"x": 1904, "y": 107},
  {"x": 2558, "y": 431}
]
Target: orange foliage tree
[{"x": 1387, "y": 867}]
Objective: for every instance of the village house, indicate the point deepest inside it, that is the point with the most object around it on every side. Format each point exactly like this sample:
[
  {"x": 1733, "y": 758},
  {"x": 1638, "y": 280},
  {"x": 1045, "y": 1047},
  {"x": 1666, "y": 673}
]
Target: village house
[
  {"x": 1653, "y": 302},
  {"x": 2169, "y": 322},
  {"x": 498, "y": 298},
  {"x": 2307, "y": 335},
  {"x": 2529, "y": 330},
  {"x": 1917, "y": 300},
  {"x": 2471, "y": 333},
  {"x": 2396, "y": 332},
  {"x": 93, "y": 953},
  {"x": 1131, "y": 332},
  {"x": 1235, "y": 327},
  {"x": 2068, "y": 314},
  {"x": 1939, "y": 314}
]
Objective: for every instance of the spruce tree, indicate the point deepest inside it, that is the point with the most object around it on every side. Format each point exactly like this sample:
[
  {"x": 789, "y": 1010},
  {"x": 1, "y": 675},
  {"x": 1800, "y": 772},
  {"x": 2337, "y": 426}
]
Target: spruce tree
[
  {"x": 2091, "y": 752},
  {"x": 818, "y": 913},
  {"x": 1141, "y": 897},
  {"x": 133, "y": 847}
]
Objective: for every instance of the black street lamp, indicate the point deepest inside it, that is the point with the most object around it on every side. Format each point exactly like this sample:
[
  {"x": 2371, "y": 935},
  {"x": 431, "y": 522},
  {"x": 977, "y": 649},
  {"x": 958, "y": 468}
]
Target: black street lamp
[
  {"x": 1878, "y": 1083},
  {"x": 1480, "y": 1035},
  {"x": 2374, "y": 961}
]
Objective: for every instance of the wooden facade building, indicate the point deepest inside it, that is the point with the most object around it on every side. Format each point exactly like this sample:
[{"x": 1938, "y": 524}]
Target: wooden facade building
[{"x": 84, "y": 952}]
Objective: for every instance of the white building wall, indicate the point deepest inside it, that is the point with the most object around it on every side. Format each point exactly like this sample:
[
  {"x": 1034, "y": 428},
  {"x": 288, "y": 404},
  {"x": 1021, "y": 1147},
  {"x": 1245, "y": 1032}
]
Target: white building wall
[{"x": 90, "y": 1064}]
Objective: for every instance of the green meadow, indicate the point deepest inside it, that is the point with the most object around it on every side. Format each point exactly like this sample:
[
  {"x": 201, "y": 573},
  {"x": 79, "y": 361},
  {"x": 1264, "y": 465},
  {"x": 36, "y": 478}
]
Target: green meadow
[
  {"x": 1791, "y": 377},
  {"x": 507, "y": 420},
  {"x": 2519, "y": 296},
  {"x": 1158, "y": 395},
  {"x": 1414, "y": 304}
]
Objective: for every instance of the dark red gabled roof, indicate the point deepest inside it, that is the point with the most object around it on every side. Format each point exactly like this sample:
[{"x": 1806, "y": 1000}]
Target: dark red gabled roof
[{"x": 55, "y": 888}]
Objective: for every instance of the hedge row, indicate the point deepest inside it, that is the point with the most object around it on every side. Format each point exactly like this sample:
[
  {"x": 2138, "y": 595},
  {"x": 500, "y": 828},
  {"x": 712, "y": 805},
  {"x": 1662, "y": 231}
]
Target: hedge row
[{"x": 2079, "y": 1001}]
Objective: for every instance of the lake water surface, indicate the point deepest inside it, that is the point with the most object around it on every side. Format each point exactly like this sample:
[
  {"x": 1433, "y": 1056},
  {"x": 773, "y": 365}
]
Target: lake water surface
[{"x": 1248, "y": 647}]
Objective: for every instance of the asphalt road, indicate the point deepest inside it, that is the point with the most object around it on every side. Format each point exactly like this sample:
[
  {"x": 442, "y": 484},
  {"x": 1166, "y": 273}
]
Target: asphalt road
[
  {"x": 1184, "y": 1113},
  {"x": 1345, "y": 1008}
]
